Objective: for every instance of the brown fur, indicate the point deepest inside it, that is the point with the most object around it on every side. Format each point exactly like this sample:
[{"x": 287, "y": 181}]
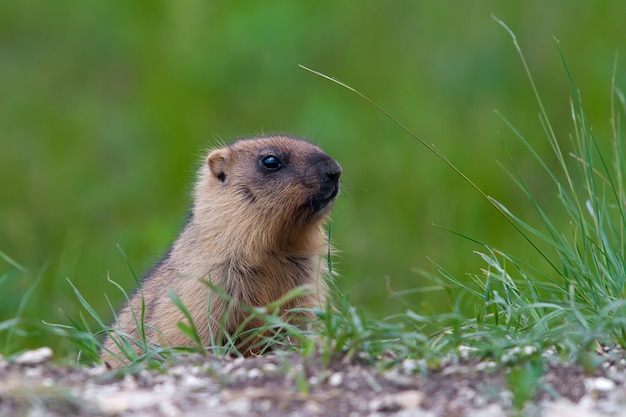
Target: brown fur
[{"x": 253, "y": 232}]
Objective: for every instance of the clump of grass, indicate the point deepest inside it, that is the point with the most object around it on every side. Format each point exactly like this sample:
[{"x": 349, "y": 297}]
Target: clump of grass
[
  {"x": 12, "y": 328},
  {"x": 576, "y": 298}
]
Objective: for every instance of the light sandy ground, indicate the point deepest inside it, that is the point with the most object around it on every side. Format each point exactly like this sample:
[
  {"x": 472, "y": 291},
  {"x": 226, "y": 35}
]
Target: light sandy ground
[{"x": 287, "y": 385}]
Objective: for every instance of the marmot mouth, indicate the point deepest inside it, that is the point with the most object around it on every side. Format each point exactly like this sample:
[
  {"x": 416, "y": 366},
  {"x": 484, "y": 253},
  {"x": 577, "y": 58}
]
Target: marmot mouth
[
  {"x": 323, "y": 173},
  {"x": 324, "y": 199}
]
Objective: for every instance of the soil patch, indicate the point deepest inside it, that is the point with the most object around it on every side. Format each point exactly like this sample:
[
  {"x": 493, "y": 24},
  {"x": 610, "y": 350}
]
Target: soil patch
[{"x": 289, "y": 385}]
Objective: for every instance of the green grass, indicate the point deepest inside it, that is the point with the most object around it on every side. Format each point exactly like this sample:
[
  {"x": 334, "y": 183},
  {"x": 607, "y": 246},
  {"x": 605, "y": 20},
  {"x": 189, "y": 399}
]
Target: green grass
[
  {"x": 578, "y": 300},
  {"x": 574, "y": 298},
  {"x": 571, "y": 300},
  {"x": 15, "y": 326}
]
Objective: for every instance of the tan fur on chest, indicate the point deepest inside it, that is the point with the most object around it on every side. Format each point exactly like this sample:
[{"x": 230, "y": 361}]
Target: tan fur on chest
[{"x": 255, "y": 232}]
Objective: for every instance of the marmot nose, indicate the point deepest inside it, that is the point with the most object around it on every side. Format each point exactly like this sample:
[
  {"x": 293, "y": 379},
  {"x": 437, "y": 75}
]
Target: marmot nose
[
  {"x": 334, "y": 172},
  {"x": 326, "y": 168}
]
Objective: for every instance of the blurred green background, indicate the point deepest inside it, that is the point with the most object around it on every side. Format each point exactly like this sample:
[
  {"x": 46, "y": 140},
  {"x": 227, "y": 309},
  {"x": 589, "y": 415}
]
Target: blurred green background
[{"x": 107, "y": 107}]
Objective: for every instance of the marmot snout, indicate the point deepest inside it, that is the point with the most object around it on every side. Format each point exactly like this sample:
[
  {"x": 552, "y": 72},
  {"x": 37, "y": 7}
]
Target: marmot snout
[
  {"x": 255, "y": 231},
  {"x": 327, "y": 171}
]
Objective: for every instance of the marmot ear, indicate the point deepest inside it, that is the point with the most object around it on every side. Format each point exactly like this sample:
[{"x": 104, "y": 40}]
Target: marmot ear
[{"x": 219, "y": 164}]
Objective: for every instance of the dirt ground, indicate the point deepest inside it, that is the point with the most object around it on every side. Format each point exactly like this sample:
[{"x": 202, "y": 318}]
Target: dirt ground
[{"x": 288, "y": 385}]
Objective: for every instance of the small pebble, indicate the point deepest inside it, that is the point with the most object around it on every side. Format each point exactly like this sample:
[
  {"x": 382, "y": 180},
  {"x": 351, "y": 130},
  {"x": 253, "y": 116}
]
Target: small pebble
[
  {"x": 335, "y": 379},
  {"x": 600, "y": 384},
  {"x": 409, "y": 365},
  {"x": 481, "y": 366},
  {"x": 269, "y": 367},
  {"x": 492, "y": 410},
  {"x": 254, "y": 373},
  {"x": 405, "y": 400},
  {"x": 35, "y": 357},
  {"x": 193, "y": 383},
  {"x": 409, "y": 399},
  {"x": 399, "y": 380}
]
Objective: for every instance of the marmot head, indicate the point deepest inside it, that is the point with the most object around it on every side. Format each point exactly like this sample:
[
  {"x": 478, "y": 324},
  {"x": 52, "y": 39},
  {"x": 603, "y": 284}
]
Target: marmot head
[{"x": 279, "y": 180}]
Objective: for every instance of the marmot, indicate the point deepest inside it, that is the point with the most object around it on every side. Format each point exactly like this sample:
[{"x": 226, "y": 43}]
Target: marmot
[{"x": 255, "y": 231}]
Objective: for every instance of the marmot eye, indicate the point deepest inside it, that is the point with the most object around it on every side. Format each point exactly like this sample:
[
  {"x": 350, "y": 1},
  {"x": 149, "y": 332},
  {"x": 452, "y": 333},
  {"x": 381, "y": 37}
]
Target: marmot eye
[{"x": 271, "y": 163}]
